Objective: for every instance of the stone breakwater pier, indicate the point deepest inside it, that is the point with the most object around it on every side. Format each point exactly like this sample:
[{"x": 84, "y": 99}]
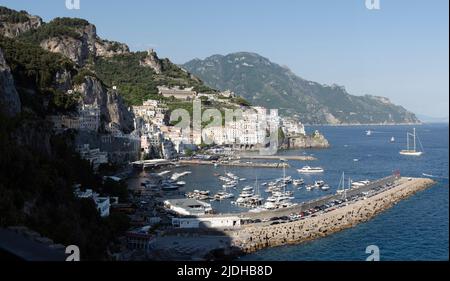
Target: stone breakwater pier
[{"x": 253, "y": 237}]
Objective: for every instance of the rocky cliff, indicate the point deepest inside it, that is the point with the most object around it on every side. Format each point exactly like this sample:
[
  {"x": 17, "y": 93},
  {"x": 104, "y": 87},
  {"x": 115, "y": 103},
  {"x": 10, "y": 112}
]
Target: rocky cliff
[
  {"x": 13, "y": 23},
  {"x": 316, "y": 140},
  {"x": 76, "y": 39},
  {"x": 9, "y": 98},
  {"x": 113, "y": 111},
  {"x": 152, "y": 61}
]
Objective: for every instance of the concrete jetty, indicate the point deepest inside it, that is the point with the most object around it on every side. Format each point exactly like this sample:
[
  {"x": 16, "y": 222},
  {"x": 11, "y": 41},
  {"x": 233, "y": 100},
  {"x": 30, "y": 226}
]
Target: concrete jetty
[
  {"x": 278, "y": 157},
  {"x": 258, "y": 236},
  {"x": 235, "y": 164}
]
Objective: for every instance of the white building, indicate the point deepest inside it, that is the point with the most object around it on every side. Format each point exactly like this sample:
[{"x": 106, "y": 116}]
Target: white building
[
  {"x": 177, "y": 92},
  {"x": 188, "y": 207},
  {"x": 291, "y": 126},
  {"x": 94, "y": 156},
  {"x": 152, "y": 111},
  {"x": 218, "y": 222},
  {"x": 249, "y": 129},
  {"x": 227, "y": 94},
  {"x": 102, "y": 204},
  {"x": 89, "y": 116}
]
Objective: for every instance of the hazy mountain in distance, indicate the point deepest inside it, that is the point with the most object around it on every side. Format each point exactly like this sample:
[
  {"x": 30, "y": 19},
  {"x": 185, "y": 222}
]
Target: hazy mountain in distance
[{"x": 268, "y": 84}]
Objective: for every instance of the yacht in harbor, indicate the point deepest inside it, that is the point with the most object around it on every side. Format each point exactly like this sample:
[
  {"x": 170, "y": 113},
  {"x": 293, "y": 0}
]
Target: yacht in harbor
[
  {"x": 298, "y": 182},
  {"x": 341, "y": 188},
  {"x": 223, "y": 195},
  {"x": 308, "y": 169},
  {"x": 360, "y": 183},
  {"x": 408, "y": 151}
]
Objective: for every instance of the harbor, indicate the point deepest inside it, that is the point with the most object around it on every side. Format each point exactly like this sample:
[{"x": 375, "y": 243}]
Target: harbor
[
  {"x": 301, "y": 223},
  {"x": 327, "y": 221},
  {"x": 310, "y": 195}
]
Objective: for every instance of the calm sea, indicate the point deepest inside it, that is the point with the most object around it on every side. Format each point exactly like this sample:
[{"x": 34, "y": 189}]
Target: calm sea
[{"x": 415, "y": 229}]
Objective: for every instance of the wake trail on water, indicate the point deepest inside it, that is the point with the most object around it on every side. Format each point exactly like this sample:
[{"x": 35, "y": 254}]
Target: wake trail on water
[{"x": 433, "y": 176}]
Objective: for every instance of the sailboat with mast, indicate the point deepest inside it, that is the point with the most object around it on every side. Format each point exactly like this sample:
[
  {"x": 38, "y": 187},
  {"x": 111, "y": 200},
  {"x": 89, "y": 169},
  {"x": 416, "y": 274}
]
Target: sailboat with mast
[
  {"x": 408, "y": 151},
  {"x": 341, "y": 188}
]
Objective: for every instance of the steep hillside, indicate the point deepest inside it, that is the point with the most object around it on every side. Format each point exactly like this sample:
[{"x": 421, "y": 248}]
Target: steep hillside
[
  {"x": 265, "y": 83},
  {"x": 138, "y": 74}
]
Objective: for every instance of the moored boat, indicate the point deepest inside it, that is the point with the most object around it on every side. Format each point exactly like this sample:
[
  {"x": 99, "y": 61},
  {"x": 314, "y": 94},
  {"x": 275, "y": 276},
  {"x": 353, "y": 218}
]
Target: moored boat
[{"x": 308, "y": 169}]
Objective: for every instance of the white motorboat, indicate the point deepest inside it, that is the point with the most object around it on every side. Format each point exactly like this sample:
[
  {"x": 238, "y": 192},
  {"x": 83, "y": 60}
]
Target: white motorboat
[
  {"x": 298, "y": 182},
  {"x": 229, "y": 185},
  {"x": 222, "y": 178},
  {"x": 269, "y": 205},
  {"x": 223, "y": 195},
  {"x": 325, "y": 187},
  {"x": 319, "y": 183},
  {"x": 232, "y": 176},
  {"x": 287, "y": 179},
  {"x": 308, "y": 169},
  {"x": 360, "y": 183}
]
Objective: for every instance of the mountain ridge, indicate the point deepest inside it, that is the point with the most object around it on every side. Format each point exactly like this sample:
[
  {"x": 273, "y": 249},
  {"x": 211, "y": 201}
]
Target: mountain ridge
[{"x": 269, "y": 84}]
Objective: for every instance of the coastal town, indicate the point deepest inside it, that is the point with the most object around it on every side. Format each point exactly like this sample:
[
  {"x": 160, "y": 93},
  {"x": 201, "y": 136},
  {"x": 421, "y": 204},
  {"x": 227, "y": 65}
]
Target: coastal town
[
  {"x": 154, "y": 137},
  {"x": 160, "y": 211},
  {"x": 112, "y": 152}
]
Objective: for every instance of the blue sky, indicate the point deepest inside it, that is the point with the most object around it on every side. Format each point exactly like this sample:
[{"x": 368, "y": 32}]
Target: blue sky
[{"x": 400, "y": 51}]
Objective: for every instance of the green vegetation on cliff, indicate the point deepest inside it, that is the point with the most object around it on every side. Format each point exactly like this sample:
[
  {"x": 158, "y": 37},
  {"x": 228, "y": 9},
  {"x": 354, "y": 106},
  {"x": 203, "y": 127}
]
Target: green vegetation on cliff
[
  {"x": 35, "y": 69},
  {"x": 58, "y": 27},
  {"x": 268, "y": 84},
  {"x": 138, "y": 83},
  {"x": 12, "y": 16}
]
